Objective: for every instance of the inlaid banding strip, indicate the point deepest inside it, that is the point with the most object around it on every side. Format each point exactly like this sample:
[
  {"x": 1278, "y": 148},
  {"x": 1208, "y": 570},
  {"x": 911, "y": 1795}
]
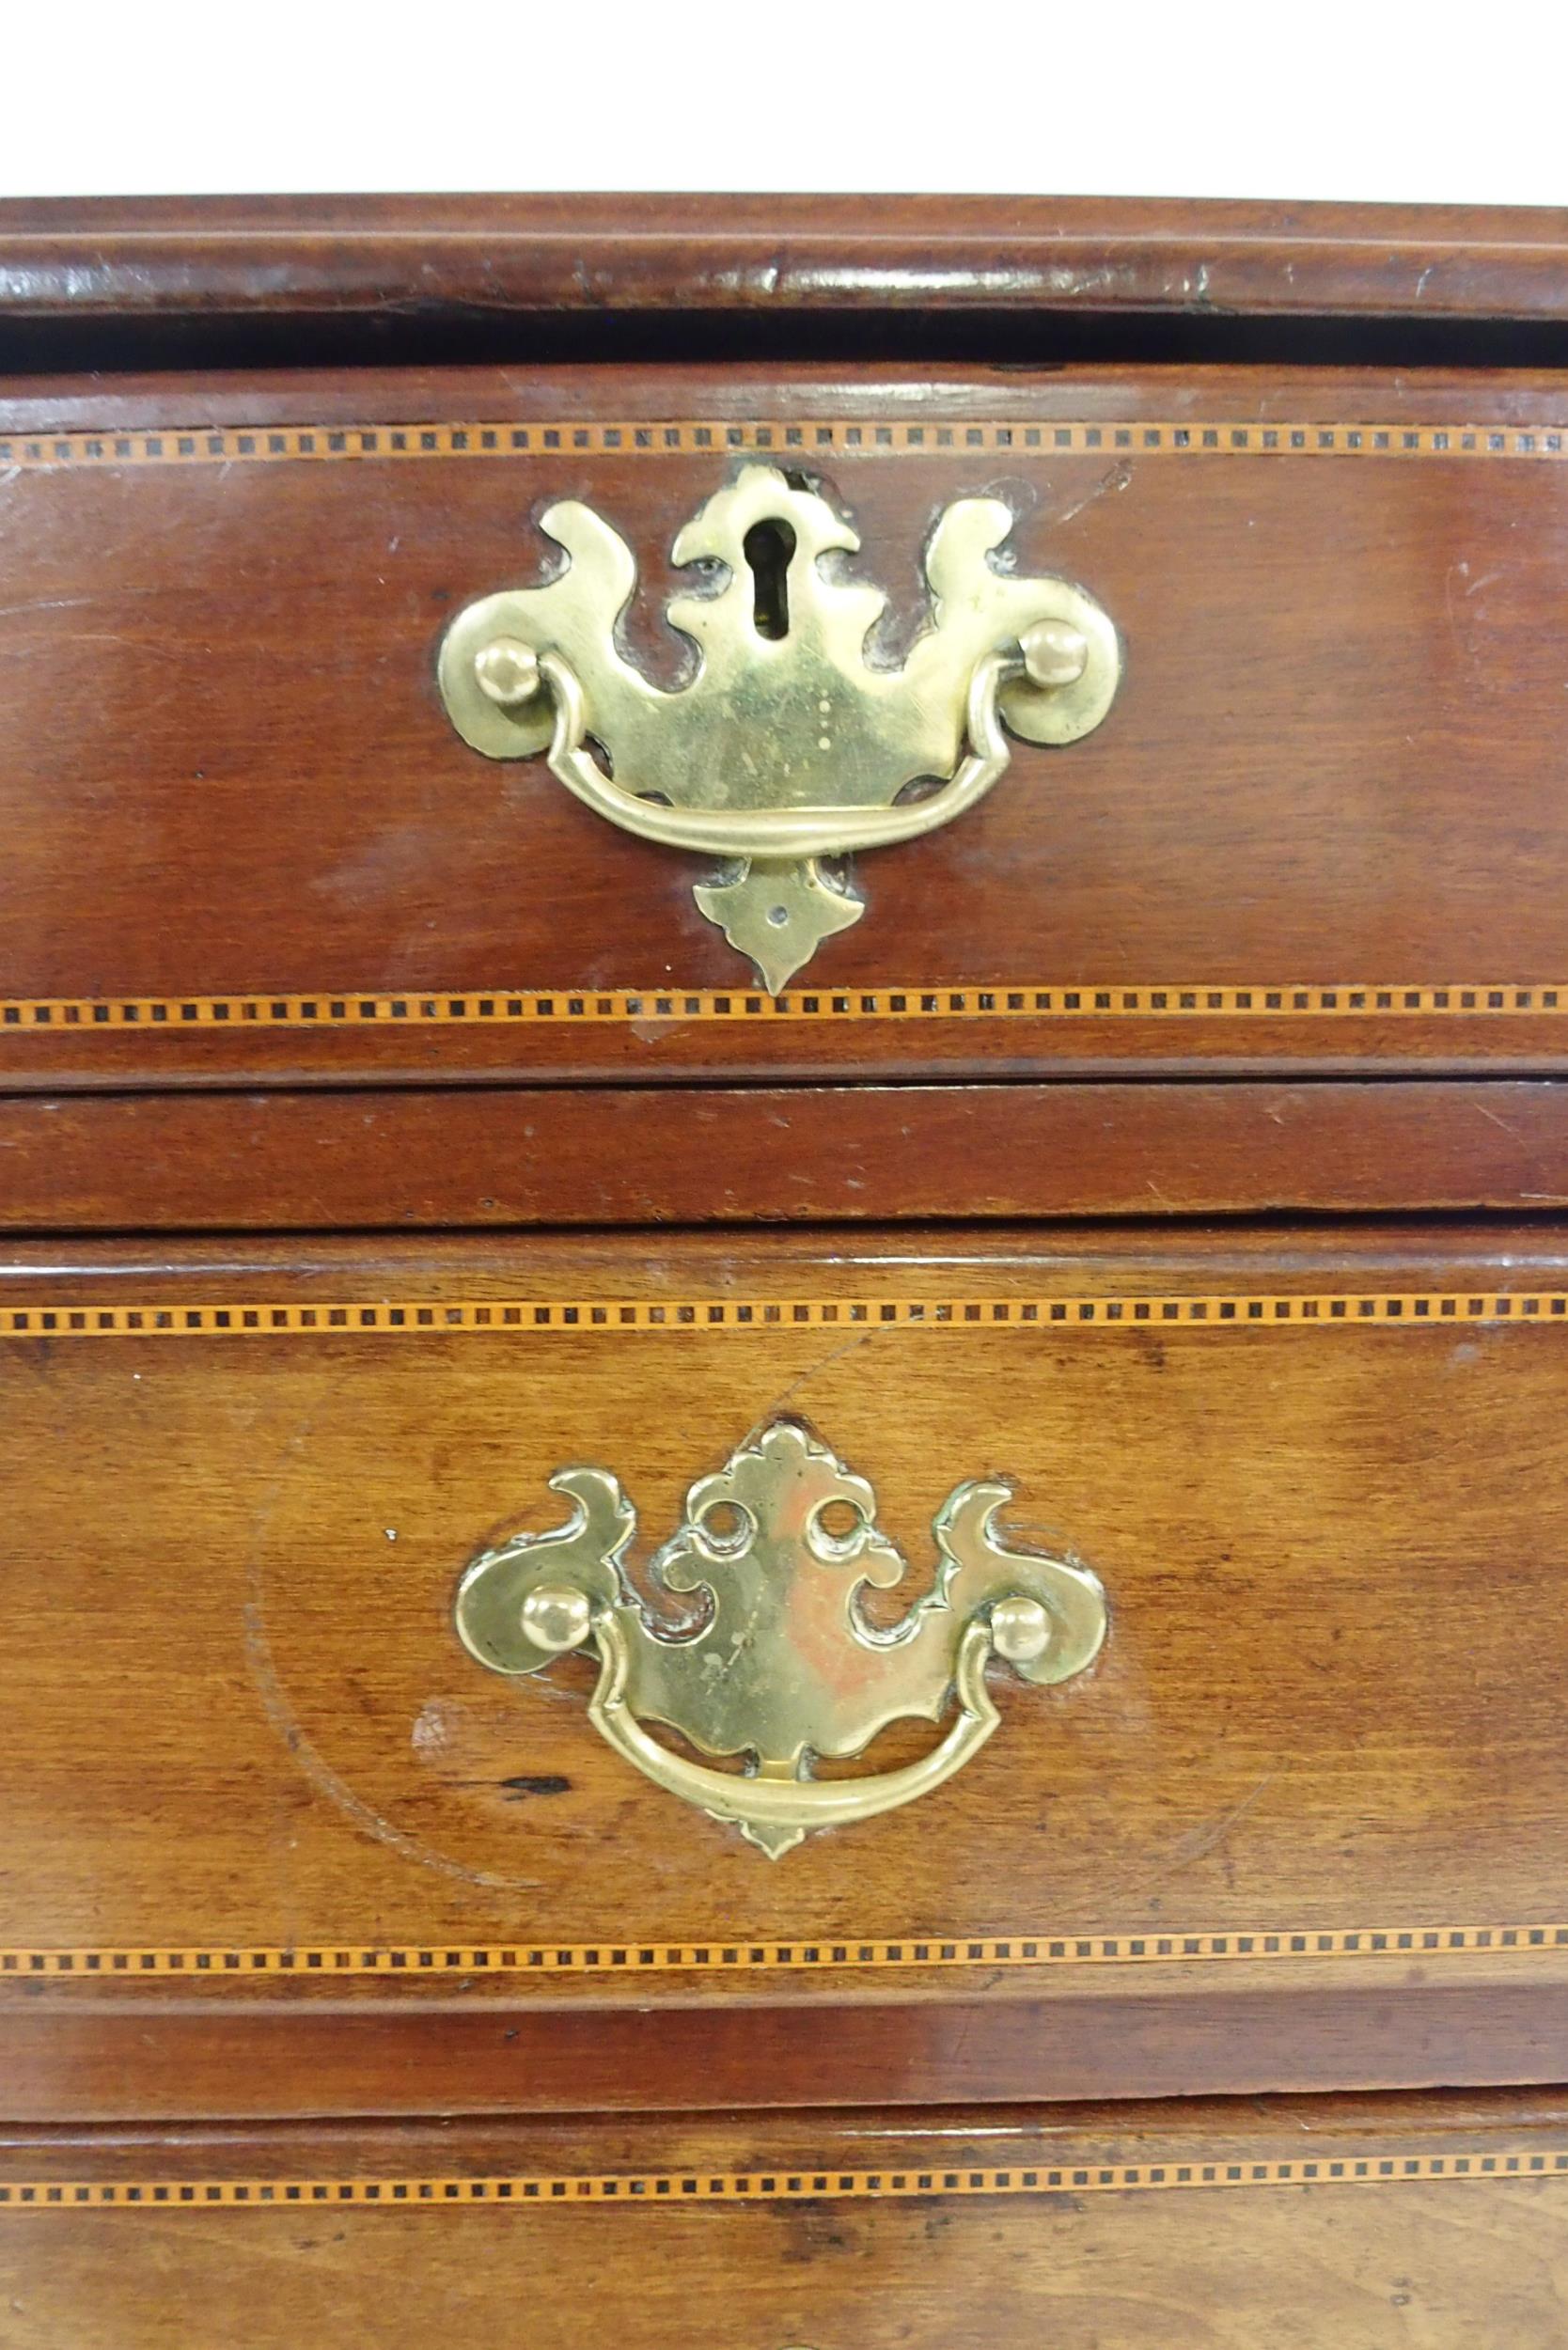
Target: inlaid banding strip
[
  {"x": 754, "y": 1957},
  {"x": 318, "y": 443},
  {"x": 326, "y": 1007},
  {"x": 698, "y": 1316},
  {"x": 780, "y": 2187}
]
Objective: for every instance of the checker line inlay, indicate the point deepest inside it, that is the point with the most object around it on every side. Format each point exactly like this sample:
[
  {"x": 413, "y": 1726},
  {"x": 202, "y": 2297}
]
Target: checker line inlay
[
  {"x": 401, "y": 443},
  {"x": 52, "y": 1318},
  {"x": 751, "y": 1956},
  {"x": 326, "y": 1007},
  {"x": 782, "y": 2185}
]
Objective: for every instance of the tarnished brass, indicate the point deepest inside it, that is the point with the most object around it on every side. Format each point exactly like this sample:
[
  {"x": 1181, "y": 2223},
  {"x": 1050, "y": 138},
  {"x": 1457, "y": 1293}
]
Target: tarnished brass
[
  {"x": 783, "y": 1667},
  {"x": 788, "y": 746}
]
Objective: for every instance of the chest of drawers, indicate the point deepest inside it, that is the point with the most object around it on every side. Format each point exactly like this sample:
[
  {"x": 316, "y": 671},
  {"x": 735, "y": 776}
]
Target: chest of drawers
[{"x": 783, "y": 1156}]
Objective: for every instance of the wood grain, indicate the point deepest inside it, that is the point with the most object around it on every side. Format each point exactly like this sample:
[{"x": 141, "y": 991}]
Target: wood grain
[
  {"x": 1376, "y": 2263},
  {"x": 428, "y": 1156},
  {"x": 260, "y": 791},
  {"x": 1331, "y": 1698}
]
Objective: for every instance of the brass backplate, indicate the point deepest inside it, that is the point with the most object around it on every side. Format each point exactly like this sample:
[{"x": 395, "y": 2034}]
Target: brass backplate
[
  {"x": 792, "y": 746},
  {"x": 783, "y": 1667}
]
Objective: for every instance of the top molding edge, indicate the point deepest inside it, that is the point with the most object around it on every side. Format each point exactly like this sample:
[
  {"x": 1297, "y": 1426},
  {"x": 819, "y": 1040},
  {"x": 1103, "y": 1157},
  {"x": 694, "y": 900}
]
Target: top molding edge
[{"x": 349, "y": 256}]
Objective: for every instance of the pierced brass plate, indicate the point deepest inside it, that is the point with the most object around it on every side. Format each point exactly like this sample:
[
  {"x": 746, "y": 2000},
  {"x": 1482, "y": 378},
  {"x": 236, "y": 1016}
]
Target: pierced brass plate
[
  {"x": 790, "y": 748},
  {"x": 784, "y": 1667}
]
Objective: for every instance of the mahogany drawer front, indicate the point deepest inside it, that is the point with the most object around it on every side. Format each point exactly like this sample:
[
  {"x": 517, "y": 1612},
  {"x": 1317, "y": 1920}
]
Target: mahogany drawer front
[
  {"x": 434, "y": 1158},
  {"x": 1375, "y": 2224},
  {"x": 277, "y": 1841},
  {"x": 1320, "y": 825}
]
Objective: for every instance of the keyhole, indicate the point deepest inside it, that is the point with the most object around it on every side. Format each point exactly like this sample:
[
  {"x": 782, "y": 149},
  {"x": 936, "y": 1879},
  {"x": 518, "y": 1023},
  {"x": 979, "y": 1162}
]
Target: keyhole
[{"x": 768, "y": 547}]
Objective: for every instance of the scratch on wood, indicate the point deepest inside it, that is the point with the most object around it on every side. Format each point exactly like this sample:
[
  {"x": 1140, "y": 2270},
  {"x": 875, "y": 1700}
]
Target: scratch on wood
[
  {"x": 268, "y": 1685},
  {"x": 274, "y": 1702},
  {"x": 1203, "y": 1840}
]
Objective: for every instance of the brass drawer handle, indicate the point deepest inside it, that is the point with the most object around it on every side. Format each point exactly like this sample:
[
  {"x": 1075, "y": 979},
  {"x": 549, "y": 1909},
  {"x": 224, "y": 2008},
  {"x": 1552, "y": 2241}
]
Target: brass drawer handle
[
  {"x": 787, "y": 746},
  {"x": 784, "y": 1668}
]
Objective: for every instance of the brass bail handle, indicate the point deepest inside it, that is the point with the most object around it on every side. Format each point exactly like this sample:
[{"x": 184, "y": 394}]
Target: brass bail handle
[
  {"x": 1051, "y": 654},
  {"x": 784, "y": 1668},
  {"x": 787, "y": 750}
]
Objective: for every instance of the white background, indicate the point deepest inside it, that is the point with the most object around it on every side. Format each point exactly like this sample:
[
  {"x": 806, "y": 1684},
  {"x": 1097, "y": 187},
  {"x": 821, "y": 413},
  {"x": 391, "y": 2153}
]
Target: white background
[{"x": 1402, "y": 103}]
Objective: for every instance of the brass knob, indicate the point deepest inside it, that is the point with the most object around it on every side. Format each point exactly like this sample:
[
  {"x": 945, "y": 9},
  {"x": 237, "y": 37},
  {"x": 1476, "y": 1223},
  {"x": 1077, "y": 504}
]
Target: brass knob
[
  {"x": 1020, "y": 1630},
  {"x": 1055, "y": 654},
  {"x": 557, "y": 1618},
  {"x": 507, "y": 672}
]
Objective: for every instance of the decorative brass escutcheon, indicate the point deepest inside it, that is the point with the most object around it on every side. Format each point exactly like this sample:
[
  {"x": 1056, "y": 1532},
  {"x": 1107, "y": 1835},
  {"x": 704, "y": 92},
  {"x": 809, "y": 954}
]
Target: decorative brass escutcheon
[
  {"x": 790, "y": 747},
  {"x": 784, "y": 1667}
]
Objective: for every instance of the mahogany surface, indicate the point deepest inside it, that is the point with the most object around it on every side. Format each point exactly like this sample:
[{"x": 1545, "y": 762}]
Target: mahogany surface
[
  {"x": 426, "y": 1156},
  {"x": 255, "y": 793},
  {"x": 930, "y": 254},
  {"x": 1374, "y": 2224},
  {"x": 146, "y": 2054},
  {"x": 1316, "y": 1482}
]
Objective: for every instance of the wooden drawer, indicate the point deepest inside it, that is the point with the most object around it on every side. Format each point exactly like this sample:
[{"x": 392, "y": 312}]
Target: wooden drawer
[
  {"x": 1321, "y": 826},
  {"x": 277, "y": 1841},
  {"x": 1375, "y": 2224}
]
